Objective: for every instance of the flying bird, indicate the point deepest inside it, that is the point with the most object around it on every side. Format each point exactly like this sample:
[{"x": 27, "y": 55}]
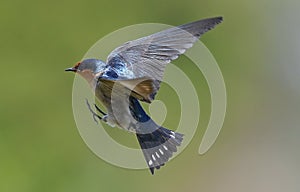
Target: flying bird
[{"x": 132, "y": 74}]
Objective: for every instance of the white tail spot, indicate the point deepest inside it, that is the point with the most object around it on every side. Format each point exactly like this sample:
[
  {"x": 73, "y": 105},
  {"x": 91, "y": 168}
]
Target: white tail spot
[
  {"x": 150, "y": 162},
  {"x": 165, "y": 147},
  {"x": 161, "y": 151},
  {"x": 153, "y": 157},
  {"x": 157, "y": 154}
]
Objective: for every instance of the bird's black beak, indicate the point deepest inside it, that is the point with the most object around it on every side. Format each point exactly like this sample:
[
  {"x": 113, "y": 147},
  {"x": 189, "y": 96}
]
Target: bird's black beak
[{"x": 71, "y": 69}]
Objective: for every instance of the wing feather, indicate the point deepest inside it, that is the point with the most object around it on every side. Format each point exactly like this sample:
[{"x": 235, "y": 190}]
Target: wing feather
[{"x": 148, "y": 56}]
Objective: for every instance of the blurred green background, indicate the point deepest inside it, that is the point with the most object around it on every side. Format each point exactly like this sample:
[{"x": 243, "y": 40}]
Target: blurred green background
[{"x": 257, "y": 48}]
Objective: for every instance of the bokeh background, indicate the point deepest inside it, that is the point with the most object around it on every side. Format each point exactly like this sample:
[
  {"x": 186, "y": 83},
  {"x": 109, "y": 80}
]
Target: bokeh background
[{"x": 257, "y": 48}]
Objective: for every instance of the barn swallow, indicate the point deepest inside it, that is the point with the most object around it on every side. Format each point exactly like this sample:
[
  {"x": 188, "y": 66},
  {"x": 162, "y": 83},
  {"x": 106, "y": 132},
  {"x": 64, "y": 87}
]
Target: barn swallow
[{"x": 133, "y": 73}]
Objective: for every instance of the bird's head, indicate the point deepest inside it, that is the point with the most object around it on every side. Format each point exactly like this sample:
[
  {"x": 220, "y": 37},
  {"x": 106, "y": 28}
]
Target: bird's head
[{"x": 88, "y": 68}]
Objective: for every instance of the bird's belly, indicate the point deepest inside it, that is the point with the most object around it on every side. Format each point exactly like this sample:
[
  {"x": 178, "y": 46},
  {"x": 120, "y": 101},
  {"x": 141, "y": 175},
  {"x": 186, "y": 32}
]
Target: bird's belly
[{"x": 118, "y": 112}]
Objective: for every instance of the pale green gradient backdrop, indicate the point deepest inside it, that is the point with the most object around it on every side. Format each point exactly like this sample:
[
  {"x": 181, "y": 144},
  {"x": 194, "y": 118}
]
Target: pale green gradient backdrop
[{"x": 257, "y": 47}]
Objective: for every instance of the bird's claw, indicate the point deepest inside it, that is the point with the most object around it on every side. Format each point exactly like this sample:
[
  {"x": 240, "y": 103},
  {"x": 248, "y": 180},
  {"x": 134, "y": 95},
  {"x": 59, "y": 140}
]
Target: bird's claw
[
  {"x": 98, "y": 109},
  {"x": 95, "y": 115}
]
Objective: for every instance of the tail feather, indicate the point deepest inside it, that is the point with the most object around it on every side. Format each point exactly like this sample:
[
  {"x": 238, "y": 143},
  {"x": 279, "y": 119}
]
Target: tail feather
[{"x": 159, "y": 146}]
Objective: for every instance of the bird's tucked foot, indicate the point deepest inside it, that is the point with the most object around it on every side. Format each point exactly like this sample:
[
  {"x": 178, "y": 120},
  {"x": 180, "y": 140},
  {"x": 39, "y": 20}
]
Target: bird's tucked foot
[{"x": 95, "y": 115}]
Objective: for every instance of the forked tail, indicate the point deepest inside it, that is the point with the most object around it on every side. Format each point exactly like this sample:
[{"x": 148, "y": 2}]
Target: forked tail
[
  {"x": 159, "y": 146},
  {"x": 157, "y": 143}
]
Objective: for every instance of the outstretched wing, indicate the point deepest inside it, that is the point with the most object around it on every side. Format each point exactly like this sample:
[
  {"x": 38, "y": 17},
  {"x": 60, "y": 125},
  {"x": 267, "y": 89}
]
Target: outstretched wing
[{"x": 148, "y": 56}]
